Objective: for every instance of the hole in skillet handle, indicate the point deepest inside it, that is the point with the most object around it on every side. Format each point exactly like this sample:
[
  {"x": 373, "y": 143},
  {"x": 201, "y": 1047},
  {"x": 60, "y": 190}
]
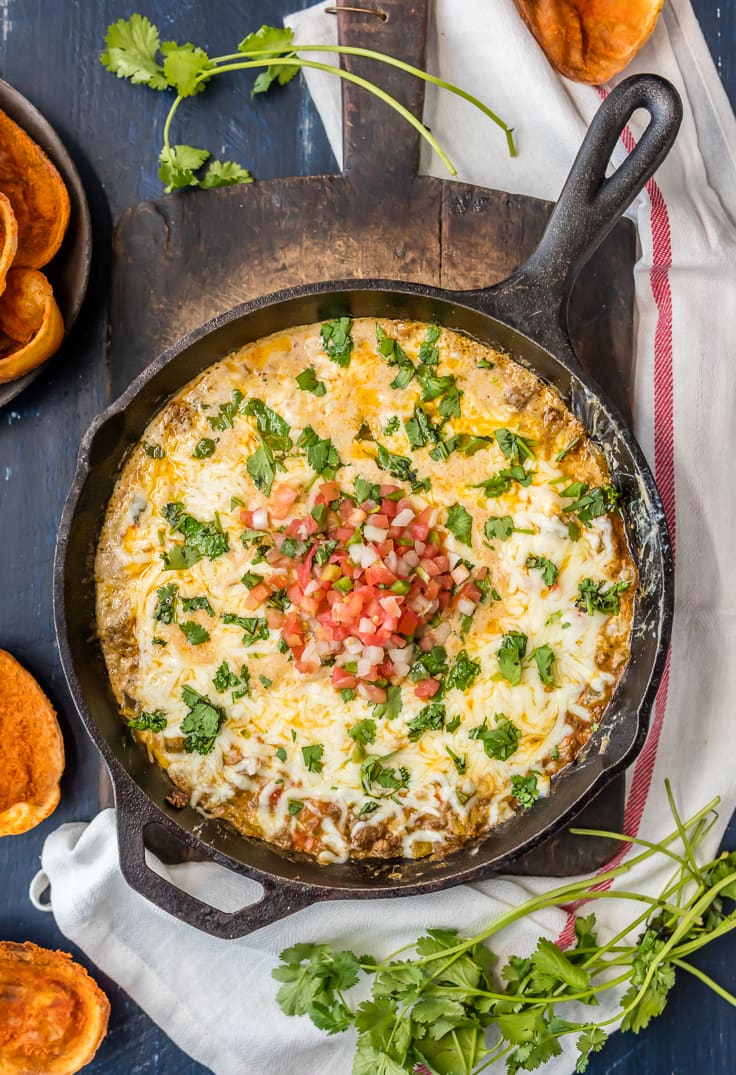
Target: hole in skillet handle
[
  {"x": 135, "y": 812},
  {"x": 534, "y": 298}
]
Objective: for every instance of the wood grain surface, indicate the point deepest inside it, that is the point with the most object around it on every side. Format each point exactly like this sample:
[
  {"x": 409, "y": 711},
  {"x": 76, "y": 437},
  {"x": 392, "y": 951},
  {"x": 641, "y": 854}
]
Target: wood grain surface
[{"x": 113, "y": 130}]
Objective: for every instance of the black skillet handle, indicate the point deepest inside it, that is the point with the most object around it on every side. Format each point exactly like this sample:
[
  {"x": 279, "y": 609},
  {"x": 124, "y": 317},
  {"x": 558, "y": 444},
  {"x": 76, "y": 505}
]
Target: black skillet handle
[
  {"x": 134, "y": 812},
  {"x": 534, "y": 298}
]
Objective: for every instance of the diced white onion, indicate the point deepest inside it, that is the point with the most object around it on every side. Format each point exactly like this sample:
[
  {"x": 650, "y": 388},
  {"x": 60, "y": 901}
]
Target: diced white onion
[
  {"x": 366, "y": 626},
  {"x": 420, "y": 547},
  {"x": 442, "y": 632},
  {"x": 374, "y": 533},
  {"x": 411, "y": 557},
  {"x": 374, "y": 654},
  {"x": 260, "y": 519},
  {"x": 403, "y": 518},
  {"x": 465, "y": 607},
  {"x": 460, "y": 574},
  {"x": 392, "y": 562}
]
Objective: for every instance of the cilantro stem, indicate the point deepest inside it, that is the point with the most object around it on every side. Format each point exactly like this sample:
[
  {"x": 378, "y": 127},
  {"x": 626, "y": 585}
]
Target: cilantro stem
[
  {"x": 697, "y": 973},
  {"x": 349, "y": 77}
]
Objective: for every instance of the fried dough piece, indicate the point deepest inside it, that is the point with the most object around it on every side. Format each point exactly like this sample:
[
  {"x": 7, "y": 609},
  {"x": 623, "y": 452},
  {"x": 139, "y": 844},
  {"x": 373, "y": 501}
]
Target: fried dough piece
[
  {"x": 30, "y": 321},
  {"x": 590, "y": 40},
  {"x": 53, "y": 1015},
  {"x": 8, "y": 238},
  {"x": 37, "y": 193},
  {"x": 32, "y": 755}
]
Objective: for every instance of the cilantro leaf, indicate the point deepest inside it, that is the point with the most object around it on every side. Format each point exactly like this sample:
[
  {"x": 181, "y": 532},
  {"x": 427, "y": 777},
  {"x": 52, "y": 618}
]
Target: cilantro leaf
[
  {"x": 430, "y": 718},
  {"x": 514, "y": 447},
  {"x": 165, "y": 610},
  {"x": 131, "y": 50},
  {"x": 312, "y": 756},
  {"x": 307, "y": 381},
  {"x": 461, "y": 764},
  {"x": 262, "y": 468},
  {"x": 392, "y": 706},
  {"x": 592, "y": 1041},
  {"x": 224, "y": 174},
  {"x": 177, "y": 166},
  {"x": 398, "y": 465},
  {"x": 499, "y": 527},
  {"x": 204, "y": 448},
  {"x": 544, "y": 658},
  {"x": 273, "y": 429},
  {"x": 600, "y": 596},
  {"x": 463, "y": 673},
  {"x": 255, "y": 627},
  {"x": 321, "y": 454},
  {"x": 499, "y": 742},
  {"x": 460, "y": 522},
  {"x": 202, "y": 723},
  {"x": 194, "y": 604},
  {"x": 194, "y": 633},
  {"x": 200, "y": 539},
  {"x": 594, "y": 503},
  {"x": 153, "y": 451},
  {"x": 337, "y": 341},
  {"x": 151, "y": 722},
  {"x": 431, "y": 665},
  {"x": 270, "y": 41},
  {"x": 550, "y": 571},
  {"x": 183, "y": 65},
  {"x": 364, "y": 732},
  {"x": 501, "y": 483},
  {"x": 524, "y": 789},
  {"x": 373, "y": 775},
  {"x": 510, "y": 655},
  {"x": 227, "y": 412}
]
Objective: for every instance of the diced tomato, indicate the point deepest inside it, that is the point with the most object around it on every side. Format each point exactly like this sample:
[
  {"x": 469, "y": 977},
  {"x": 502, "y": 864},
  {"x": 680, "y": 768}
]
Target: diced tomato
[
  {"x": 419, "y": 531},
  {"x": 327, "y": 492},
  {"x": 389, "y": 490},
  {"x": 341, "y": 678},
  {"x": 378, "y": 574},
  {"x": 282, "y": 497},
  {"x": 246, "y": 517},
  {"x": 304, "y": 570},
  {"x": 257, "y": 595},
  {"x": 426, "y": 688},
  {"x": 408, "y": 623},
  {"x": 471, "y": 591},
  {"x": 274, "y": 618},
  {"x": 380, "y": 521},
  {"x": 374, "y": 693},
  {"x": 344, "y": 533}
]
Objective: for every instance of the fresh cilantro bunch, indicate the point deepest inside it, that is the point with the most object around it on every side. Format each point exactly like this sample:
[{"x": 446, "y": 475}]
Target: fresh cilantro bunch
[
  {"x": 135, "y": 51},
  {"x": 444, "y": 1003}
]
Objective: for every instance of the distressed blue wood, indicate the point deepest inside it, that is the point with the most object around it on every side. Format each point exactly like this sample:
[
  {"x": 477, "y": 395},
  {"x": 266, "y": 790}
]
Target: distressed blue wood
[{"x": 49, "y": 52}]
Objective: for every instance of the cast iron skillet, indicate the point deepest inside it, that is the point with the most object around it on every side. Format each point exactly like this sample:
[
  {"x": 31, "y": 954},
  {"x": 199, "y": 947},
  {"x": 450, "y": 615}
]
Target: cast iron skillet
[{"x": 525, "y": 315}]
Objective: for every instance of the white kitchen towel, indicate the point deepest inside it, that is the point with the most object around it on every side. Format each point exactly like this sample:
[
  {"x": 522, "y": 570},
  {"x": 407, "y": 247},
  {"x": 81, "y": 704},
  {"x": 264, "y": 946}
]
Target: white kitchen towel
[{"x": 216, "y": 998}]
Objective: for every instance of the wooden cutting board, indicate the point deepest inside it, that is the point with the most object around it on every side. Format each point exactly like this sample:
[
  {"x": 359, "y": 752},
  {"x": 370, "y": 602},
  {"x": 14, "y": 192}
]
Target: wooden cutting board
[{"x": 183, "y": 258}]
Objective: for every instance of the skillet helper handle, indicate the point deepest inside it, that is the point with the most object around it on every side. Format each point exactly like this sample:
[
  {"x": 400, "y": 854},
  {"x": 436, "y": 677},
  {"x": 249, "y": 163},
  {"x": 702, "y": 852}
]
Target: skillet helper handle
[
  {"x": 134, "y": 813},
  {"x": 380, "y": 149},
  {"x": 534, "y": 298}
]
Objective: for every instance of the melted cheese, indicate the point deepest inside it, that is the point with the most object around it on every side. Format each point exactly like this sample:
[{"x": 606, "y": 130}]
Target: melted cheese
[{"x": 243, "y": 779}]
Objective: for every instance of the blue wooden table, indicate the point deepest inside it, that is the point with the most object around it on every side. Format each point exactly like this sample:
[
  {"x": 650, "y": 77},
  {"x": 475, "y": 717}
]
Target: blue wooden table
[{"x": 49, "y": 52}]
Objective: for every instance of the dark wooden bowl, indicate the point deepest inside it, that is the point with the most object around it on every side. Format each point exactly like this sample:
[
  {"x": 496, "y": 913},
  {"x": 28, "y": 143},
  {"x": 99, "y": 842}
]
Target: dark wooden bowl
[{"x": 68, "y": 271}]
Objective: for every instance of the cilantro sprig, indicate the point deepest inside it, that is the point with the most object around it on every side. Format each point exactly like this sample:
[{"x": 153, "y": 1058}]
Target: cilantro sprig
[
  {"x": 445, "y": 1006},
  {"x": 134, "y": 51}
]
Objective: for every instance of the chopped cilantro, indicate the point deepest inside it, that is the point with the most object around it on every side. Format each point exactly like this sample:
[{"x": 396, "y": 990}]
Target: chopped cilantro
[
  {"x": 295, "y": 807},
  {"x": 568, "y": 448},
  {"x": 461, "y": 764},
  {"x": 321, "y": 453},
  {"x": 594, "y": 503},
  {"x": 549, "y": 570},
  {"x": 165, "y": 610},
  {"x": 397, "y": 465},
  {"x": 514, "y": 447},
  {"x": 227, "y": 413},
  {"x": 337, "y": 341},
  {"x": 544, "y": 658},
  {"x": 595, "y": 597},
  {"x": 460, "y": 522},
  {"x": 200, "y": 539},
  {"x": 204, "y": 449},
  {"x": 524, "y": 789},
  {"x": 463, "y": 673},
  {"x": 499, "y": 742},
  {"x": 307, "y": 381},
  {"x": 373, "y": 775},
  {"x": 255, "y": 627},
  {"x": 369, "y": 807},
  {"x": 195, "y": 634},
  {"x": 312, "y": 756},
  {"x": 251, "y": 579},
  {"x": 149, "y": 722},
  {"x": 153, "y": 451},
  {"x": 392, "y": 706},
  {"x": 510, "y": 655},
  {"x": 280, "y": 753},
  {"x": 363, "y": 732},
  {"x": 501, "y": 483},
  {"x": 202, "y": 723},
  {"x": 430, "y": 718},
  {"x": 194, "y": 604},
  {"x": 266, "y": 681},
  {"x": 499, "y": 527},
  {"x": 392, "y": 425}
]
